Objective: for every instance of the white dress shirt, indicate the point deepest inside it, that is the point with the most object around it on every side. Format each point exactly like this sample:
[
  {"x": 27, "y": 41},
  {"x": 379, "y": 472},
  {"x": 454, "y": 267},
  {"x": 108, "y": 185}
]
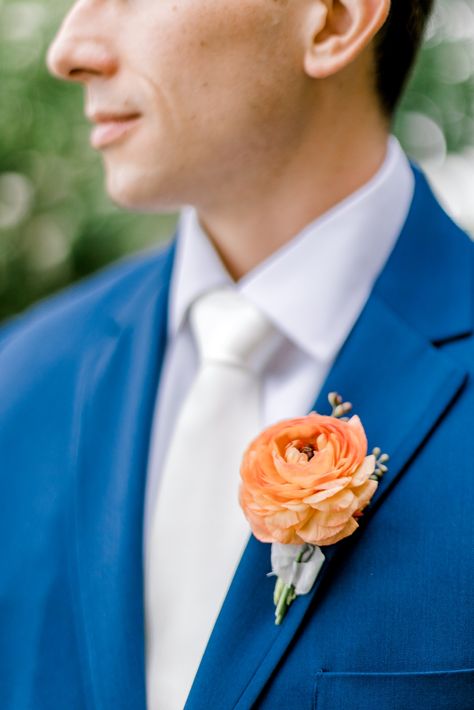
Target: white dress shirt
[{"x": 313, "y": 289}]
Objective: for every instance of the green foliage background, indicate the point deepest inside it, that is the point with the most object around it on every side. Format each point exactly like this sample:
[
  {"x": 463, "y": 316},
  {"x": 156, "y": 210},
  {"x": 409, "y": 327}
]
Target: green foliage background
[{"x": 56, "y": 223}]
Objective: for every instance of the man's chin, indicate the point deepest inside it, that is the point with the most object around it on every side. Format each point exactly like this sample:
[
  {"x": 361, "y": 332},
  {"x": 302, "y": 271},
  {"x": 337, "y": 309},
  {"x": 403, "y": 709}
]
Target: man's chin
[{"x": 139, "y": 195}]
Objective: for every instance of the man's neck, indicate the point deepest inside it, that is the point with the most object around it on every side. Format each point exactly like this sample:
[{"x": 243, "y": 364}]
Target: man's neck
[{"x": 252, "y": 226}]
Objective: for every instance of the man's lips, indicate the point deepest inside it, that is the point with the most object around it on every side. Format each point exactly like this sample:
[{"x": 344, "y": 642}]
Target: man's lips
[{"x": 111, "y": 127}]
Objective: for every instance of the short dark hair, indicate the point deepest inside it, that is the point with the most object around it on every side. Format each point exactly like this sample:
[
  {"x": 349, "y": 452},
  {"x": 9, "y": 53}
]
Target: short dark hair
[{"x": 396, "y": 48}]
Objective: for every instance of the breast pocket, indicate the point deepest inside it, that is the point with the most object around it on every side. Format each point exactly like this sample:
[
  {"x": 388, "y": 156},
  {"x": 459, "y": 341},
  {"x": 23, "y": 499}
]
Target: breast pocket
[{"x": 442, "y": 690}]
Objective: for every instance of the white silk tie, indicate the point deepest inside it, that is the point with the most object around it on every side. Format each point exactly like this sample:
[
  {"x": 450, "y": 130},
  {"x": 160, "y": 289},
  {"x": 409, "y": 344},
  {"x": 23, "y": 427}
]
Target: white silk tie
[{"x": 198, "y": 531}]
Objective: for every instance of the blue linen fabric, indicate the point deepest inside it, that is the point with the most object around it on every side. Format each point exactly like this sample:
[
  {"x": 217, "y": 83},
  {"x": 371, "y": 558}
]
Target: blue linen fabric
[{"x": 389, "y": 622}]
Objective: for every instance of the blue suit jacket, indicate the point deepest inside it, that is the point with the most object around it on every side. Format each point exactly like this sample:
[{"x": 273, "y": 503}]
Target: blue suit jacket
[{"x": 389, "y": 623}]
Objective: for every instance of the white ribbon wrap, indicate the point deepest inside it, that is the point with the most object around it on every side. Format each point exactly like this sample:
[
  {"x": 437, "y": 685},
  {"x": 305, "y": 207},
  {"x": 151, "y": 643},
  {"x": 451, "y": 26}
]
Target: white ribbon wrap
[{"x": 302, "y": 575}]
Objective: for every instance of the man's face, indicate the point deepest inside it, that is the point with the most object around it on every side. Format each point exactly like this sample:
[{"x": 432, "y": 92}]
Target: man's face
[{"x": 187, "y": 95}]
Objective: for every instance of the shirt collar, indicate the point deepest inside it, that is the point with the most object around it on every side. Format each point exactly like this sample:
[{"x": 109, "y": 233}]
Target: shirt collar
[
  {"x": 313, "y": 287},
  {"x": 198, "y": 269}
]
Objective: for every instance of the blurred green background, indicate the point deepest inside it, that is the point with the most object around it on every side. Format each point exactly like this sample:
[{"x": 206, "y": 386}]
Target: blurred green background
[{"x": 56, "y": 223}]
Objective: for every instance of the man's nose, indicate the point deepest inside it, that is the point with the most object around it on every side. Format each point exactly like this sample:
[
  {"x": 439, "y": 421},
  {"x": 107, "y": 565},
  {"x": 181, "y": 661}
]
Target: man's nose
[{"x": 79, "y": 52}]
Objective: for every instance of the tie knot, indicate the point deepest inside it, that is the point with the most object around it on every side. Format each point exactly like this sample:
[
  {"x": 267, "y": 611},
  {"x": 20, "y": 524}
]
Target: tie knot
[{"x": 229, "y": 329}]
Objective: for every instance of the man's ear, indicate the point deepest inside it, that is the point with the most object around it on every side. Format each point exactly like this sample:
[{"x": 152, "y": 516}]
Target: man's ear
[{"x": 338, "y": 31}]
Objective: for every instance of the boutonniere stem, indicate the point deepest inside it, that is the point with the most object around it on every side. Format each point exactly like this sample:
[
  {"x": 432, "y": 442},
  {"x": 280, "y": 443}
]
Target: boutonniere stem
[{"x": 296, "y": 568}]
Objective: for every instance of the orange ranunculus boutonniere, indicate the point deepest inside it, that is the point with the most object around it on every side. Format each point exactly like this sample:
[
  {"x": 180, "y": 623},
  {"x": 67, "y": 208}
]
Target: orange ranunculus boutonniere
[{"x": 304, "y": 484}]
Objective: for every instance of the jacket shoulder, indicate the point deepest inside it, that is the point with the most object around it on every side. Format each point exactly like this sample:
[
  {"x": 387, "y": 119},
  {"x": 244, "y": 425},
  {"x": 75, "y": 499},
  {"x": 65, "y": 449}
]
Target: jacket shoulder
[{"x": 63, "y": 321}]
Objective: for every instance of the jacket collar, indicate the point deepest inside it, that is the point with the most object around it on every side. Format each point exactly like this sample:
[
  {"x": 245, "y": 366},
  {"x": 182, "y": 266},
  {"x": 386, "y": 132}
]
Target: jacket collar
[{"x": 428, "y": 278}]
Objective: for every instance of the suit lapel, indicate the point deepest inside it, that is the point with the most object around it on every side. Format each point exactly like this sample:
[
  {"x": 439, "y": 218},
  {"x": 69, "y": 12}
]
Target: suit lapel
[
  {"x": 115, "y": 400},
  {"x": 400, "y": 386}
]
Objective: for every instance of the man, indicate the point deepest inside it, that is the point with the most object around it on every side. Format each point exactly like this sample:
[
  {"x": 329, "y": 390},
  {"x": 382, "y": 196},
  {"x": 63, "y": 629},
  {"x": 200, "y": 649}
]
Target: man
[{"x": 272, "y": 120}]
